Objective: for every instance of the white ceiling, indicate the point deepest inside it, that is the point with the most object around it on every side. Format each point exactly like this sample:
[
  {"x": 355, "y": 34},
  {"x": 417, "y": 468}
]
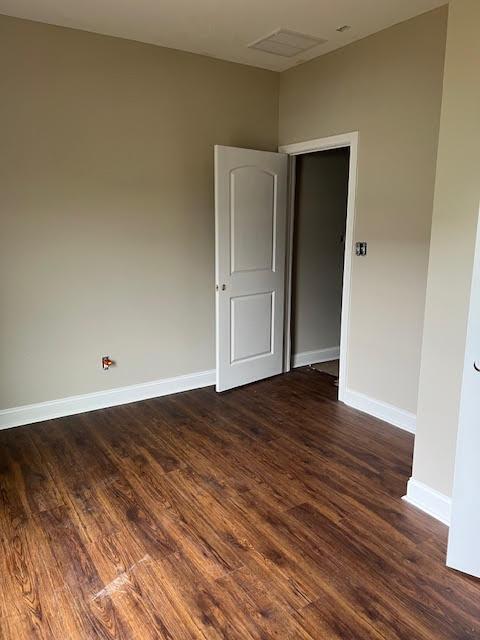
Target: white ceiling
[{"x": 224, "y": 28}]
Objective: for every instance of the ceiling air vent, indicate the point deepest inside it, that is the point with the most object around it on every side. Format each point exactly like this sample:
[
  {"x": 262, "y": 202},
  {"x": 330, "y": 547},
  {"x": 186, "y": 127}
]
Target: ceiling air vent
[{"x": 286, "y": 43}]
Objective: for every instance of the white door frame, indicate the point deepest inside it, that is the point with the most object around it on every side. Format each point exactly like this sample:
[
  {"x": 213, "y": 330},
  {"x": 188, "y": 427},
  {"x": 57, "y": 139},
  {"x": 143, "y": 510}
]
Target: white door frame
[
  {"x": 463, "y": 552},
  {"x": 345, "y": 140}
]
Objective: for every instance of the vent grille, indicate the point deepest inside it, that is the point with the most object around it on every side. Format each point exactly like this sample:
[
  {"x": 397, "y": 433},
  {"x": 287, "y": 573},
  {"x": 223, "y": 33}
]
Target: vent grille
[{"x": 286, "y": 43}]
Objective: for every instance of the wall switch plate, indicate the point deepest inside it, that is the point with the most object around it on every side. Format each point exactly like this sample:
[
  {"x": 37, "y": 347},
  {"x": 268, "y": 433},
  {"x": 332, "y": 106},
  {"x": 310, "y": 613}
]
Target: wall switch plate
[{"x": 361, "y": 248}]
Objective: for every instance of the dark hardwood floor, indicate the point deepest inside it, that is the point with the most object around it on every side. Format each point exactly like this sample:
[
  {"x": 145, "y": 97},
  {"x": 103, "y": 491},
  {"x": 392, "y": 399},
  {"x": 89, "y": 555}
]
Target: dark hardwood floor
[{"x": 270, "y": 511}]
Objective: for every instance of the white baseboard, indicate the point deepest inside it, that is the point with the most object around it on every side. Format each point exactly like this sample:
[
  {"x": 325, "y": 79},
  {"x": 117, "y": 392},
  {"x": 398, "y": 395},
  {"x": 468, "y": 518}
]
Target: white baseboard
[
  {"x": 99, "y": 400},
  {"x": 311, "y": 357},
  {"x": 429, "y": 500},
  {"x": 378, "y": 409}
]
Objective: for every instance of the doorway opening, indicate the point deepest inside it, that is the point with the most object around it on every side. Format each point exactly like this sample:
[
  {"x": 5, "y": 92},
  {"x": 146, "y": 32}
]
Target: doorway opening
[
  {"x": 319, "y": 252},
  {"x": 320, "y": 220}
]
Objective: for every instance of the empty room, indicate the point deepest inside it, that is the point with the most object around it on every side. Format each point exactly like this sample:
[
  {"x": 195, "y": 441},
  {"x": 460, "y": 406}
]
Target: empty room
[{"x": 239, "y": 320}]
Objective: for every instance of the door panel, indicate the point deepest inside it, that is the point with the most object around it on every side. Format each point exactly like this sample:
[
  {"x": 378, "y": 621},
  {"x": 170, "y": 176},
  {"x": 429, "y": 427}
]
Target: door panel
[
  {"x": 252, "y": 326},
  {"x": 250, "y": 230},
  {"x": 252, "y": 219},
  {"x": 464, "y": 539}
]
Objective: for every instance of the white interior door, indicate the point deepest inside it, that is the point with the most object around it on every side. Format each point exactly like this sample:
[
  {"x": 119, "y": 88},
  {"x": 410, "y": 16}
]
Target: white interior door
[
  {"x": 250, "y": 230},
  {"x": 464, "y": 539}
]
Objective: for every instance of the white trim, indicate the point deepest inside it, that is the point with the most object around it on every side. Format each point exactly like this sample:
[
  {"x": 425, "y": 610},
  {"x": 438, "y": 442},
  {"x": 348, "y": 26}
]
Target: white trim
[
  {"x": 319, "y": 144},
  {"x": 429, "y": 500},
  {"x": 323, "y": 144},
  {"x": 99, "y": 400},
  {"x": 463, "y": 552},
  {"x": 305, "y": 358},
  {"x": 378, "y": 409},
  {"x": 287, "y": 342}
]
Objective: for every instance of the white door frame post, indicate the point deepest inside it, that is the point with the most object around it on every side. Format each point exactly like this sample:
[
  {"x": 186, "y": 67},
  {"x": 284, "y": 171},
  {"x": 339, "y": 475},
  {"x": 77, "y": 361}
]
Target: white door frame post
[
  {"x": 346, "y": 140},
  {"x": 463, "y": 543}
]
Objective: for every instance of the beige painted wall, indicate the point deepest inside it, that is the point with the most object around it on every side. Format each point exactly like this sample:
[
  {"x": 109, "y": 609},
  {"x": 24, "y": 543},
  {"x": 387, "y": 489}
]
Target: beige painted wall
[
  {"x": 106, "y": 205},
  {"x": 457, "y": 200},
  {"x": 320, "y": 219},
  {"x": 388, "y": 87}
]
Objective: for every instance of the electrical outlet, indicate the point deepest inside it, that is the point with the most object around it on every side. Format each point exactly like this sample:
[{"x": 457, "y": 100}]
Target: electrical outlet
[{"x": 107, "y": 363}]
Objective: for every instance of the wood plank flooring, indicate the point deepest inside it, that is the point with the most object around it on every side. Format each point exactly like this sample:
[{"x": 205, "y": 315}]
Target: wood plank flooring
[{"x": 271, "y": 511}]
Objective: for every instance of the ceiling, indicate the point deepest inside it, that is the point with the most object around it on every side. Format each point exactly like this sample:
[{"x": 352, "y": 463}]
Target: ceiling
[{"x": 224, "y": 28}]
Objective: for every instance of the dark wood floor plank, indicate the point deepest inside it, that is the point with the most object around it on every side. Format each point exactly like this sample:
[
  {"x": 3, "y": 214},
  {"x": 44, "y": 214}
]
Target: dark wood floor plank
[
  {"x": 138, "y": 442},
  {"x": 197, "y": 600},
  {"x": 338, "y": 488},
  {"x": 270, "y": 511},
  {"x": 245, "y": 530},
  {"x": 26, "y": 486},
  {"x": 130, "y": 581},
  {"x": 369, "y": 564},
  {"x": 34, "y": 585},
  {"x": 264, "y": 614},
  {"x": 79, "y": 575},
  {"x": 324, "y": 434},
  {"x": 333, "y": 619},
  {"x": 330, "y": 562},
  {"x": 238, "y": 456},
  {"x": 78, "y": 485}
]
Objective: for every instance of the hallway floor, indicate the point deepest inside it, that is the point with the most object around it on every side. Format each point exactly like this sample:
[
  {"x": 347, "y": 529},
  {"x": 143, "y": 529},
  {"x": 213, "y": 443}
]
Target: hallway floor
[{"x": 331, "y": 367}]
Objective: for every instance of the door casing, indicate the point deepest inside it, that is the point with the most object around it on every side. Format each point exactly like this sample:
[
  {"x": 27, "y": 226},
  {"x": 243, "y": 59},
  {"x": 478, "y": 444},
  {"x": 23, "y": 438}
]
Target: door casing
[
  {"x": 463, "y": 544},
  {"x": 345, "y": 140}
]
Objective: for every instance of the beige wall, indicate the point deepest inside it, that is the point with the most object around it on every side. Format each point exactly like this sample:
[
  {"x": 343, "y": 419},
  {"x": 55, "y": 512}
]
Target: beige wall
[
  {"x": 388, "y": 87},
  {"x": 457, "y": 199},
  {"x": 106, "y": 200},
  {"x": 320, "y": 218},
  {"x": 106, "y": 204}
]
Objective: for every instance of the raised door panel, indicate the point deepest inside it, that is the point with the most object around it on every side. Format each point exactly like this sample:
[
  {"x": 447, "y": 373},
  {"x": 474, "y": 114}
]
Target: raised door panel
[
  {"x": 252, "y": 331},
  {"x": 252, "y": 219}
]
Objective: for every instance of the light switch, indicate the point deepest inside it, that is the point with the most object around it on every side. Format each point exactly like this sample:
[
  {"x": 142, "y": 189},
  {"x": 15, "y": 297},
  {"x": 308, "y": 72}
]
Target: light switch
[{"x": 361, "y": 248}]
